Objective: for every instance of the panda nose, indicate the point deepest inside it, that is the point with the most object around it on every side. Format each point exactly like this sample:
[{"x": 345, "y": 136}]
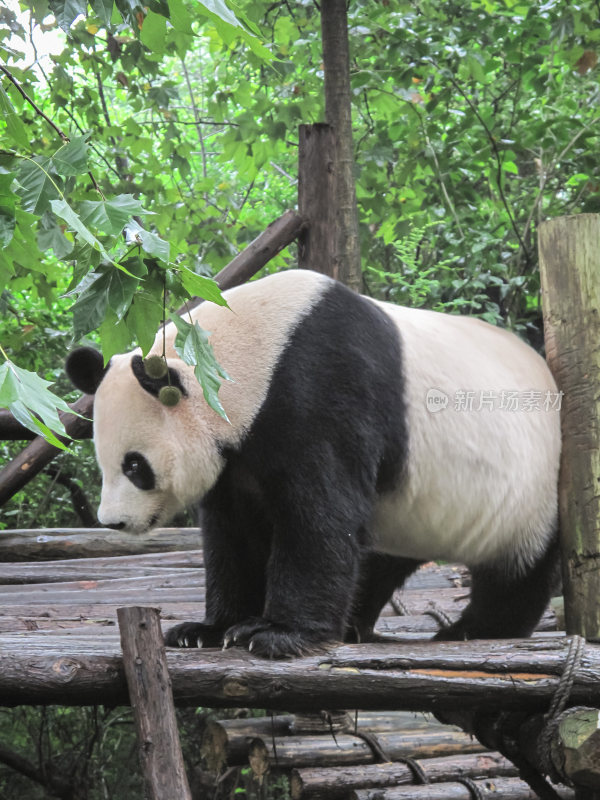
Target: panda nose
[{"x": 116, "y": 526}]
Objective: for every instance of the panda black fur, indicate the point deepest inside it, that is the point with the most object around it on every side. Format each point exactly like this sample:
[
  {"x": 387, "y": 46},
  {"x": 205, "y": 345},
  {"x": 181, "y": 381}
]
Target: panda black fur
[{"x": 334, "y": 480}]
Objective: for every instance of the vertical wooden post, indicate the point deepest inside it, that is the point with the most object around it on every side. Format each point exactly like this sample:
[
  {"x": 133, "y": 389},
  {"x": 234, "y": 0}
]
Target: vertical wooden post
[
  {"x": 338, "y": 114},
  {"x": 152, "y": 701},
  {"x": 317, "y": 198},
  {"x": 570, "y": 276}
]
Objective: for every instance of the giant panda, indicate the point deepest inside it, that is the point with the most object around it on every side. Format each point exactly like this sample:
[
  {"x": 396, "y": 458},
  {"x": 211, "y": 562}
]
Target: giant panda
[{"x": 351, "y": 455}]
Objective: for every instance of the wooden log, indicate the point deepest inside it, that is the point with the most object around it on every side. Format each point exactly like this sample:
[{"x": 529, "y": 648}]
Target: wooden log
[
  {"x": 482, "y": 675},
  {"x": 317, "y": 197},
  {"x": 577, "y": 747},
  {"x": 570, "y": 277},
  {"x": 495, "y": 788},
  {"x": 344, "y": 748},
  {"x": 567, "y": 748},
  {"x": 151, "y": 697},
  {"x": 278, "y": 235},
  {"x": 81, "y": 569},
  {"x": 333, "y": 783},
  {"x": 227, "y": 741},
  {"x": 291, "y": 741},
  {"x": 61, "y": 543},
  {"x": 11, "y": 430},
  {"x": 39, "y": 452}
]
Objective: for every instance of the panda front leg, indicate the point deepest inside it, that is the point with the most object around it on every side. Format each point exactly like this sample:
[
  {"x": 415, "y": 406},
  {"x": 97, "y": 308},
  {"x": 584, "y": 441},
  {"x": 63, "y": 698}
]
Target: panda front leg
[
  {"x": 311, "y": 577},
  {"x": 233, "y": 530},
  {"x": 507, "y": 603}
]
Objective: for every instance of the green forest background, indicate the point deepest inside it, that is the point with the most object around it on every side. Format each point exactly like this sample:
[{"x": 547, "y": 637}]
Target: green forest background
[
  {"x": 163, "y": 138},
  {"x": 473, "y": 122}
]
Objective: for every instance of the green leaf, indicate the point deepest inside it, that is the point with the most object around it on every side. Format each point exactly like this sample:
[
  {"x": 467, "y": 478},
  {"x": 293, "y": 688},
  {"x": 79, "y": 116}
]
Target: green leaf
[
  {"x": 67, "y": 11},
  {"x": 180, "y": 16},
  {"x": 71, "y": 159},
  {"x": 151, "y": 243},
  {"x": 103, "y": 9},
  {"x": 193, "y": 347},
  {"x": 114, "y": 336},
  {"x": 14, "y": 127},
  {"x": 200, "y": 286},
  {"x": 120, "y": 292},
  {"x": 53, "y": 238},
  {"x": 143, "y": 318},
  {"x": 63, "y": 210},
  {"x": 111, "y": 216},
  {"x": 154, "y": 32},
  {"x": 26, "y": 394},
  {"x": 36, "y": 188},
  {"x": 90, "y": 308}
]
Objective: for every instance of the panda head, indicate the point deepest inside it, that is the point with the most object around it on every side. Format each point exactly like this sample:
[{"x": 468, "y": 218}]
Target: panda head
[{"x": 155, "y": 459}]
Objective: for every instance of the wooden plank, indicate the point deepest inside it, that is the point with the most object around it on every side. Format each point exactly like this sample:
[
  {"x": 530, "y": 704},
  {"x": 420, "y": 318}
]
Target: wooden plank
[{"x": 570, "y": 277}]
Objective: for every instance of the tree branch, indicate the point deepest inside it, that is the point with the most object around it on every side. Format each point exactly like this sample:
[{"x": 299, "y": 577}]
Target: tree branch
[{"x": 34, "y": 105}]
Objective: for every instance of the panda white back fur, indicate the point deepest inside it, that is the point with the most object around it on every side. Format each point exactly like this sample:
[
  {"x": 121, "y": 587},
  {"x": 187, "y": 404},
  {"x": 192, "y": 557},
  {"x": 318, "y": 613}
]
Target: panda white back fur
[{"x": 334, "y": 478}]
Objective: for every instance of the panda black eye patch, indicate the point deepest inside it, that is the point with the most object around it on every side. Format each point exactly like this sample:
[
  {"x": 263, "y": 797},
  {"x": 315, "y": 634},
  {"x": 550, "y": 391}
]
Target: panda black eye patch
[{"x": 137, "y": 469}]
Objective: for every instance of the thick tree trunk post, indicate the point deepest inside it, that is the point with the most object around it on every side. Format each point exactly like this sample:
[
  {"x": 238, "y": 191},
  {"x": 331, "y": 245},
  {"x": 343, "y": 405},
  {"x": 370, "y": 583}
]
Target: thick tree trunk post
[
  {"x": 317, "y": 198},
  {"x": 338, "y": 114},
  {"x": 150, "y": 693},
  {"x": 570, "y": 276}
]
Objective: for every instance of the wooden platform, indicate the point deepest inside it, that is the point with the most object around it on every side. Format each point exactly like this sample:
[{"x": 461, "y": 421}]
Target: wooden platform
[
  {"x": 60, "y": 644},
  {"x": 59, "y": 640}
]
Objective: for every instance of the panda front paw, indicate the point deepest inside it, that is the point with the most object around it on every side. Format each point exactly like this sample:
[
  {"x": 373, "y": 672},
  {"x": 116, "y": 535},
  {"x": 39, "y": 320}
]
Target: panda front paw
[
  {"x": 273, "y": 639},
  {"x": 194, "y": 634}
]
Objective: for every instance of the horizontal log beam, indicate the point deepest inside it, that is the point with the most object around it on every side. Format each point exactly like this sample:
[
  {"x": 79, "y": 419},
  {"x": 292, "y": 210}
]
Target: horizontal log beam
[
  {"x": 498, "y": 789},
  {"x": 32, "y": 460},
  {"x": 486, "y": 675},
  {"x": 71, "y": 543},
  {"x": 334, "y": 783}
]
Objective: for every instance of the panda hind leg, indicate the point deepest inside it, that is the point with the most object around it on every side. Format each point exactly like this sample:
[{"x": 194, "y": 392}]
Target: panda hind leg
[
  {"x": 504, "y": 606},
  {"x": 380, "y": 575}
]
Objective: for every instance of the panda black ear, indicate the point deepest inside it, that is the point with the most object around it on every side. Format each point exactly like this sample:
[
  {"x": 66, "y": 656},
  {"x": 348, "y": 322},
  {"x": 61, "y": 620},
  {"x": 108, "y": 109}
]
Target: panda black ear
[
  {"x": 85, "y": 368},
  {"x": 154, "y": 385}
]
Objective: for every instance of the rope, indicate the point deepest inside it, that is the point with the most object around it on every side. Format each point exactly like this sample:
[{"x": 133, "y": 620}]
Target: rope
[
  {"x": 565, "y": 684},
  {"x": 419, "y": 774},
  {"x": 399, "y": 607},
  {"x": 379, "y": 752},
  {"x": 439, "y": 615},
  {"x": 507, "y": 740},
  {"x": 556, "y": 712},
  {"x": 474, "y": 789}
]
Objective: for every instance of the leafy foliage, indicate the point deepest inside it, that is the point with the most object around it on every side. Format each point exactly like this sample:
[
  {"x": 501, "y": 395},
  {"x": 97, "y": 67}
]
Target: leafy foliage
[
  {"x": 162, "y": 137},
  {"x": 192, "y": 346}
]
